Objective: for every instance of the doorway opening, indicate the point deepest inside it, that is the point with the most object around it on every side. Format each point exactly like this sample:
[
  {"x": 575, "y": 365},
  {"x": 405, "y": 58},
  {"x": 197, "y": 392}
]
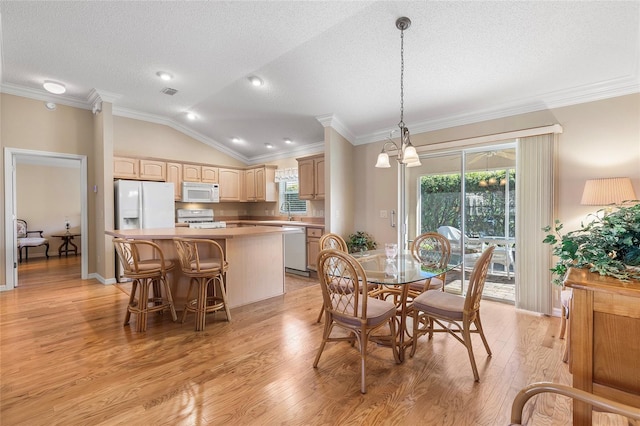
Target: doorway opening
[{"x": 15, "y": 157}]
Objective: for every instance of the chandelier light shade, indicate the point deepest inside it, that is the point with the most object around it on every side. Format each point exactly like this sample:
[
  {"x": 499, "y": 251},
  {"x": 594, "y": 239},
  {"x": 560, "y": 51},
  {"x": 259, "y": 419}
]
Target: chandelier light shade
[
  {"x": 407, "y": 153},
  {"x": 602, "y": 192}
]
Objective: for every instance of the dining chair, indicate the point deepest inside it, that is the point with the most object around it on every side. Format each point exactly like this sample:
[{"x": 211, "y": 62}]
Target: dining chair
[
  {"x": 346, "y": 307},
  {"x": 432, "y": 250},
  {"x": 147, "y": 272},
  {"x": 204, "y": 262},
  {"x": 334, "y": 241},
  {"x": 331, "y": 241},
  {"x": 454, "y": 314}
]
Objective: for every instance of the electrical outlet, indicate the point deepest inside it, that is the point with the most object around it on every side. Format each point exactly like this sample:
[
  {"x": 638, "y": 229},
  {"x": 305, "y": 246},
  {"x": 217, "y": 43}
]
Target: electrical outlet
[{"x": 383, "y": 214}]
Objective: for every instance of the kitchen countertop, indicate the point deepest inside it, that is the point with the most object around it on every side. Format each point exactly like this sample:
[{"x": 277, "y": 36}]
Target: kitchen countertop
[
  {"x": 277, "y": 223},
  {"x": 217, "y": 233}
]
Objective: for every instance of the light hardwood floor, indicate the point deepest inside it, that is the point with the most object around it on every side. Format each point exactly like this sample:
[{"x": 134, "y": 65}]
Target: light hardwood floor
[{"x": 67, "y": 359}]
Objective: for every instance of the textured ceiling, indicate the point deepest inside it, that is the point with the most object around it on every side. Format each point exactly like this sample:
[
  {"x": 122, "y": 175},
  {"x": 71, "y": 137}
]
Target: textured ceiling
[{"x": 464, "y": 62}]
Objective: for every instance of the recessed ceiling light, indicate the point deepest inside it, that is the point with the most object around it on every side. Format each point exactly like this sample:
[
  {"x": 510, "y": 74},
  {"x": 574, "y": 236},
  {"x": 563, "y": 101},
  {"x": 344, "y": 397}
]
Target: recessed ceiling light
[
  {"x": 191, "y": 116},
  {"x": 288, "y": 140},
  {"x": 268, "y": 145},
  {"x": 54, "y": 87},
  {"x": 164, "y": 75},
  {"x": 256, "y": 81},
  {"x": 50, "y": 106},
  {"x": 235, "y": 140}
]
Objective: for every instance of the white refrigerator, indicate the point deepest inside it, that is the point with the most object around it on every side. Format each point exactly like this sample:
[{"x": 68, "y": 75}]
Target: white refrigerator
[{"x": 144, "y": 204}]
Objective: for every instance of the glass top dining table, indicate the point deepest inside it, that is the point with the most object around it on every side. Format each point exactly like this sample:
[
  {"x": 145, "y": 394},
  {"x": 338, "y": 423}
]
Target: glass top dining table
[
  {"x": 394, "y": 276},
  {"x": 403, "y": 269}
]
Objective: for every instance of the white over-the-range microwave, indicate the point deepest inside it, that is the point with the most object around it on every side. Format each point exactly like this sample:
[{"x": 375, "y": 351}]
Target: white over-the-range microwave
[{"x": 194, "y": 192}]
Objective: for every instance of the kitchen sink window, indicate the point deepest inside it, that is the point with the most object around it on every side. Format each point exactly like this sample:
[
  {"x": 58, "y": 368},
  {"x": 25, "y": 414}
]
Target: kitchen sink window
[{"x": 290, "y": 202}]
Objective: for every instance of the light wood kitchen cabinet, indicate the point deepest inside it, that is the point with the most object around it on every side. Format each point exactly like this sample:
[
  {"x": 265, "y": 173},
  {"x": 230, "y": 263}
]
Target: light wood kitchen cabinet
[
  {"x": 313, "y": 247},
  {"x": 250, "y": 184},
  {"x": 153, "y": 170},
  {"x": 209, "y": 174},
  {"x": 174, "y": 175},
  {"x": 311, "y": 177},
  {"x": 126, "y": 168},
  {"x": 191, "y": 173},
  {"x": 229, "y": 180},
  {"x": 260, "y": 184}
]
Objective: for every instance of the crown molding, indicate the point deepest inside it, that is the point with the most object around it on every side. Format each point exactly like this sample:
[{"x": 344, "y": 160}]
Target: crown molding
[
  {"x": 152, "y": 118},
  {"x": 311, "y": 149},
  {"x": 42, "y": 95},
  {"x": 578, "y": 95},
  {"x": 330, "y": 120}
]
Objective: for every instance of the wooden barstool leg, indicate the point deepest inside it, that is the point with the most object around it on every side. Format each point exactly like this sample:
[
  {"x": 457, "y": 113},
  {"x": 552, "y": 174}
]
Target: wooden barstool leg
[
  {"x": 143, "y": 303},
  {"x": 186, "y": 305},
  {"x": 172, "y": 307},
  {"x": 223, "y": 293},
  {"x": 132, "y": 302},
  {"x": 201, "y": 304}
]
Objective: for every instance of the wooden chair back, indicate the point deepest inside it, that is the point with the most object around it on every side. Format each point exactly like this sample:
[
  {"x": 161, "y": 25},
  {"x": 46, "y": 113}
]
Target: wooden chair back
[
  {"x": 129, "y": 252},
  {"x": 341, "y": 277},
  {"x": 476, "y": 282},
  {"x": 200, "y": 255},
  {"x": 431, "y": 249},
  {"x": 333, "y": 241}
]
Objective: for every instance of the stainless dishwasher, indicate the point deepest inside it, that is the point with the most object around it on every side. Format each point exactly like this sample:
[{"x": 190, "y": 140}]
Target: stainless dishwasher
[{"x": 295, "y": 250}]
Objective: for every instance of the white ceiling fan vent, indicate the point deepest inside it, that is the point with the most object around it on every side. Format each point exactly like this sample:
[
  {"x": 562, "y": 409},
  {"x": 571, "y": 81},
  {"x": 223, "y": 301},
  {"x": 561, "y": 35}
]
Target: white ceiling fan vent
[{"x": 169, "y": 91}]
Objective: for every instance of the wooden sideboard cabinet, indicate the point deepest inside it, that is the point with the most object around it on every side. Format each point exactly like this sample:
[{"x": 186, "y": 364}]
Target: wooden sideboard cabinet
[
  {"x": 311, "y": 177},
  {"x": 605, "y": 339}
]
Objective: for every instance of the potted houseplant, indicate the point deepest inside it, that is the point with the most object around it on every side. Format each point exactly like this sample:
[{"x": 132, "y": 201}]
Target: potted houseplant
[
  {"x": 361, "y": 241},
  {"x": 609, "y": 244}
]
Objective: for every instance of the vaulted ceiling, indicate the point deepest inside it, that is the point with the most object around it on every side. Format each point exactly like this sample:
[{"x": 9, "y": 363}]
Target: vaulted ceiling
[{"x": 464, "y": 62}]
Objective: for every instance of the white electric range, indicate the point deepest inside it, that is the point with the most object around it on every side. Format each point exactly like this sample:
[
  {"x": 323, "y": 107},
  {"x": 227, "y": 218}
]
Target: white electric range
[{"x": 199, "y": 218}]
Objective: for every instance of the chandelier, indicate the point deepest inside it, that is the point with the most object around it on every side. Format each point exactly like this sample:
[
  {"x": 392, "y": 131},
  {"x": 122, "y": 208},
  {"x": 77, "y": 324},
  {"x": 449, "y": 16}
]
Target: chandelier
[{"x": 407, "y": 154}]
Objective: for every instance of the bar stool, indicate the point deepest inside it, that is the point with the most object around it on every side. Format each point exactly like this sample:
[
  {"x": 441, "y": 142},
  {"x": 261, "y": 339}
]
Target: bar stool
[
  {"x": 203, "y": 271},
  {"x": 144, "y": 272}
]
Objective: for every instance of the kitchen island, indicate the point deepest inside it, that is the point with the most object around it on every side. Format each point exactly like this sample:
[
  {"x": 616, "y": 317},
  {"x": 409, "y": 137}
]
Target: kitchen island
[{"x": 255, "y": 256}]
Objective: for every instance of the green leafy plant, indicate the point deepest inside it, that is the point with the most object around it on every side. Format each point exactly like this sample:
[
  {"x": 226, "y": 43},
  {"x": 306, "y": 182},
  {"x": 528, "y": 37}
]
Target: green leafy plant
[
  {"x": 609, "y": 244},
  {"x": 361, "y": 241}
]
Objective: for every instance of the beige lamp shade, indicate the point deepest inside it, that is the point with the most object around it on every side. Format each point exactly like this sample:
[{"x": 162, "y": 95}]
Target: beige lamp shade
[{"x": 602, "y": 192}]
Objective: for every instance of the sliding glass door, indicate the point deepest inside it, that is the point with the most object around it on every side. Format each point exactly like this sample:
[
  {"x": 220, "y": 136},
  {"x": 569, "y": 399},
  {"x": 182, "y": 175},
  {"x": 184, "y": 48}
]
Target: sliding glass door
[{"x": 472, "y": 212}]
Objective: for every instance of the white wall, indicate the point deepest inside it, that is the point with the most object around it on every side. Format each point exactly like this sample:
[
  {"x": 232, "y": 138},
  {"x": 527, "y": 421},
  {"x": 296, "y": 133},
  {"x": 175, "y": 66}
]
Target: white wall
[
  {"x": 47, "y": 195},
  {"x": 600, "y": 139}
]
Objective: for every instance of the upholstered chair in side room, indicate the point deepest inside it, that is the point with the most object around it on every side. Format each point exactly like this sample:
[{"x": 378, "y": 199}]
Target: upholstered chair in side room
[
  {"x": 24, "y": 240},
  {"x": 437, "y": 311}
]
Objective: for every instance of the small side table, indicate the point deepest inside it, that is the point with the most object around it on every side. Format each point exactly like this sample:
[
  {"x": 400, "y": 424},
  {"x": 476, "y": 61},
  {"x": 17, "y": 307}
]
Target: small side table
[{"x": 66, "y": 242}]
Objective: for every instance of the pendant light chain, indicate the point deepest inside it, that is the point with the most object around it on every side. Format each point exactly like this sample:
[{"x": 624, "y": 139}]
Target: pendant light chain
[{"x": 401, "y": 123}]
